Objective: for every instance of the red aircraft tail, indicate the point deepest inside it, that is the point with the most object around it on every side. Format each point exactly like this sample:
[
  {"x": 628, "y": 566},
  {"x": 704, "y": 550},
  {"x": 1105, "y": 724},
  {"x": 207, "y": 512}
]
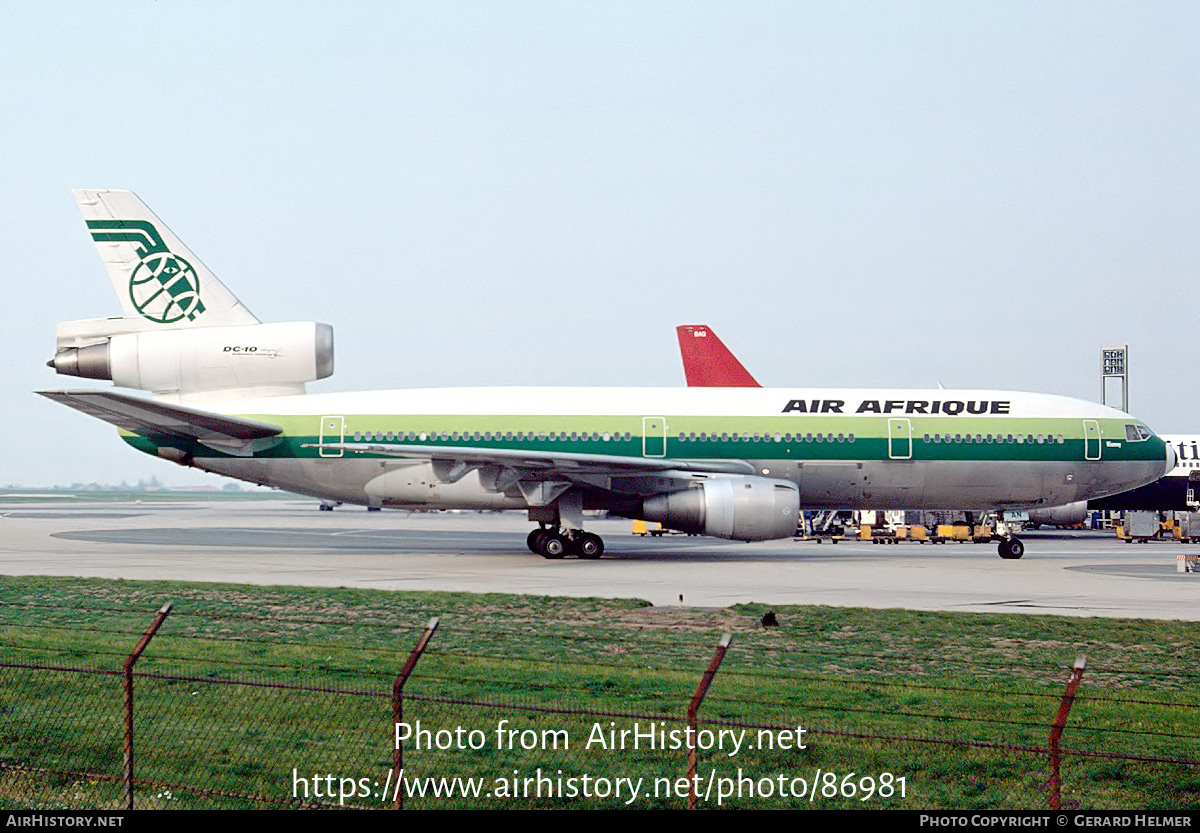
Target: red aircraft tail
[{"x": 707, "y": 362}]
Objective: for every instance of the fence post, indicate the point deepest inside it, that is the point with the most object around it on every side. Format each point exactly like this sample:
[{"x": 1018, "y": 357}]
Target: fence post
[
  {"x": 693, "y": 710},
  {"x": 1060, "y": 722},
  {"x": 398, "y": 708},
  {"x": 129, "y": 662}
]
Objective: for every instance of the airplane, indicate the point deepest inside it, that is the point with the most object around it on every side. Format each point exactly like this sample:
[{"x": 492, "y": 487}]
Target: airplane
[
  {"x": 707, "y": 361},
  {"x": 228, "y": 396},
  {"x": 1176, "y": 491}
]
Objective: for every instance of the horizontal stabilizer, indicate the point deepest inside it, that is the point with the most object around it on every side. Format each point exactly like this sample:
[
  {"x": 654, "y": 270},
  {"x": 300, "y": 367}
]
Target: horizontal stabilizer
[{"x": 160, "y": 420}]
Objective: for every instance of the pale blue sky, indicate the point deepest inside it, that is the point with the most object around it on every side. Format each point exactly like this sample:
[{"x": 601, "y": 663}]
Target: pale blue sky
[{"x": 892, "y": 194}]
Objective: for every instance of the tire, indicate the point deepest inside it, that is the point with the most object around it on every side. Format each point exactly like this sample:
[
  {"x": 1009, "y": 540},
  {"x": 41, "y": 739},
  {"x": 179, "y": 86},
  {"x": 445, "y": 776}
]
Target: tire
[
  {"x": 554, "y": 546},
  {"x": 588, "y": 545},
  {"x": 1011, "y": 548},
  {"x": 532, "y": 541}
]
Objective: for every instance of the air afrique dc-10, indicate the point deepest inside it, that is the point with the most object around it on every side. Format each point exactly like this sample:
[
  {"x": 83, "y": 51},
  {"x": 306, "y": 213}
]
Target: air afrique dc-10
[{"x": 228, "y": 397}]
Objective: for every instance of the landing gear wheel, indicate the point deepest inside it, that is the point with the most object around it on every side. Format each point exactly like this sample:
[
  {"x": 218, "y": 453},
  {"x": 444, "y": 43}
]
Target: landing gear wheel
[
  {"x": 588, "y": 545},
  {"x": 533, "y": 541},
  {"x": 553, "y": 545},
  {"x": 1012, "y": 548}
]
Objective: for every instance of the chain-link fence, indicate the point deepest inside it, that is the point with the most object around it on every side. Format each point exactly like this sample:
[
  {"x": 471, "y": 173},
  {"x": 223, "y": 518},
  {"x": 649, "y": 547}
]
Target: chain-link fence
[{"x": 226, "y": 715}]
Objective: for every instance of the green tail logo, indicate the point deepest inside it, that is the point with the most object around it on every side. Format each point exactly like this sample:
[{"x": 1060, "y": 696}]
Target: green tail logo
[{"x": 164, "y": 287}]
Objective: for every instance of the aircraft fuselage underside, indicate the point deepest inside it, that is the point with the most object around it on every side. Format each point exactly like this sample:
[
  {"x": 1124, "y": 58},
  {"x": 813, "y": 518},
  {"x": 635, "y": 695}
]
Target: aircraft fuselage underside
[{"x": 913, "y": 484}]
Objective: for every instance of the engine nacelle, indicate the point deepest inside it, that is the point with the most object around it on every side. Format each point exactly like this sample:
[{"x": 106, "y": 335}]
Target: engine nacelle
[
  {"x": 265, "y": 358},
  {"x": 742, "y": 508},
  {"x": 1073, "y": 514}
]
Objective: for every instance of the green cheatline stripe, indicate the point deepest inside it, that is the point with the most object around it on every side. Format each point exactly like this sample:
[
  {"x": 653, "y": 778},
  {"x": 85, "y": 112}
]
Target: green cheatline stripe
[
  {"x": 860, "y": 426},
  {"x": 862, "y": 449},
  {"x": 871, "y": 431}
]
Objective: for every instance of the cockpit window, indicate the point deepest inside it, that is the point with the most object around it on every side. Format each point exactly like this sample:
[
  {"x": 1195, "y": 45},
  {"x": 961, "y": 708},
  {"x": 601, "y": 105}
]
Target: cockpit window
[{"x": 1136, "y": 433}]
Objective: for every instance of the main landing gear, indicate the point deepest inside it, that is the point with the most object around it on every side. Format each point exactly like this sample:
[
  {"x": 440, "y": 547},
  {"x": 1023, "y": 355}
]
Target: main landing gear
[
  {"x": 1011, "y": 547},
  {"x": 557, "y": 543}
]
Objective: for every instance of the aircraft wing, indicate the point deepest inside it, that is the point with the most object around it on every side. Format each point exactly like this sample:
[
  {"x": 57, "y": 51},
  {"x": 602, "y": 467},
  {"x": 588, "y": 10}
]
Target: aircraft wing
[
  {"x": 162, "y": 420},
  {"x": 555, "y": 462}
]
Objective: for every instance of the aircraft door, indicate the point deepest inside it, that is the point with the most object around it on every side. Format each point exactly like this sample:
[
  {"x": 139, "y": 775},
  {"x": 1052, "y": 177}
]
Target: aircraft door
[
  {"x": 1091, "y": 439},
  {"x": 654, "y": 437},
  {"x": 900, "y": 438},
  {"x": 333, "y": 430}
]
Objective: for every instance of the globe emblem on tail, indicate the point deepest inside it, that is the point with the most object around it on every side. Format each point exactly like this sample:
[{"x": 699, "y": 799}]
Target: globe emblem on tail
[{"x": 165, "y": 288}]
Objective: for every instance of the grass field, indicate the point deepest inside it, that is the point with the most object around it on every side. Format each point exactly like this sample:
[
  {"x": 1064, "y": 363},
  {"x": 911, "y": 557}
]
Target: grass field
[{"x": 257, "y": 691}]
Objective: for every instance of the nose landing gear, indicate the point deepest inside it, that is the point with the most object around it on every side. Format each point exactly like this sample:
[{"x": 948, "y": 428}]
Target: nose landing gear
[{"x": 1011, "y": 547}]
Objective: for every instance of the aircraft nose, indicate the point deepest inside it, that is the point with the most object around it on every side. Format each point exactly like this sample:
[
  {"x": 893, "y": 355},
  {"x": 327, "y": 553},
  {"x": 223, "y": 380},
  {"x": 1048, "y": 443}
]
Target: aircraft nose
[{"x": 1171, "y": 457}]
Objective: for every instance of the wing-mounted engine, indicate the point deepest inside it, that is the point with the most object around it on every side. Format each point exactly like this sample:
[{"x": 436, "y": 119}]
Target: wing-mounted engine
[
  {"x": 1073, "y": 514},
  {"x": 739, "y": 508},
  {"x": 250, "y": 359}
]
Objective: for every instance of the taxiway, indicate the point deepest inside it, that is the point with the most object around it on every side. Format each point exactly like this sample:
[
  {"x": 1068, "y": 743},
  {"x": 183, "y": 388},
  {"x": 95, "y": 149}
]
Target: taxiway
[{"x": 290, "y": 542}]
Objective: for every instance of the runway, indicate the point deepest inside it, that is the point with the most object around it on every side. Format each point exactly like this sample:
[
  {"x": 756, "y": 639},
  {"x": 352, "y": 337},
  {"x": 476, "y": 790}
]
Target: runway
[{"x": 290, "y": 542}]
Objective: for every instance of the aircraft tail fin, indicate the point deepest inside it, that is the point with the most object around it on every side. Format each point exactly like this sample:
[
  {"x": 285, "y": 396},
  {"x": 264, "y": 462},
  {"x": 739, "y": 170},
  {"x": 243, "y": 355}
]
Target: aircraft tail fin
[
  {"x": 156, "y": 277},
  {"x": 707, "y": 362}
]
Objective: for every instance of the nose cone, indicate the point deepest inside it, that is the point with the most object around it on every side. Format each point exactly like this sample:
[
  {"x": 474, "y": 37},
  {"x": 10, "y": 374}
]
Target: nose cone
[{"x": 1172, "y": 458}]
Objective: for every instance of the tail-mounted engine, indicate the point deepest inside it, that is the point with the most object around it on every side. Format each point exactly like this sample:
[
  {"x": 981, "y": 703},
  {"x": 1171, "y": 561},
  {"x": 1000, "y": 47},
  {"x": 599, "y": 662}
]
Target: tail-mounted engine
[{"x": 264, "y": 359}]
